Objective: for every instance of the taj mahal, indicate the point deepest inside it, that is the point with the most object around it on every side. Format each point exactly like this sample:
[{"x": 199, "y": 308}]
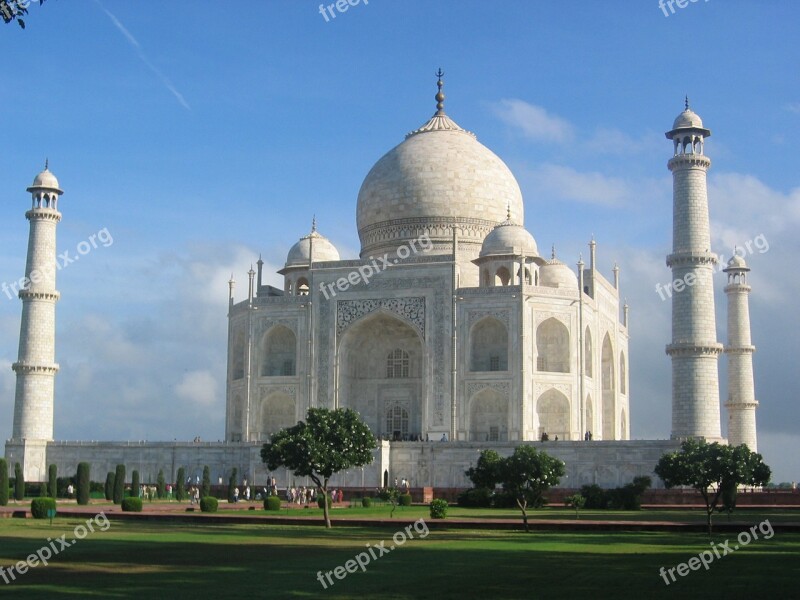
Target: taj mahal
[{"x": 451, "y": 332}]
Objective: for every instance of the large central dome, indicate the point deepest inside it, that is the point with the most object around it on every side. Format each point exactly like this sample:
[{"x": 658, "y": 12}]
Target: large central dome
[{"x": 440, "y": 177}]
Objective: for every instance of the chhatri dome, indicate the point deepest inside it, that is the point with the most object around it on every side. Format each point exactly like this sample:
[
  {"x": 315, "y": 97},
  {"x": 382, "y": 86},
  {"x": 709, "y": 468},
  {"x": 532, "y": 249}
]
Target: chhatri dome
[
  {"x": 509, "y": 238},
  {"x": 323, "y": 250},
  {"x": 688, "y": 119},
  {"x": 45, "y": 180},
  {"x": 555, "y": 273},
  {"x": 440, "y": 177}
]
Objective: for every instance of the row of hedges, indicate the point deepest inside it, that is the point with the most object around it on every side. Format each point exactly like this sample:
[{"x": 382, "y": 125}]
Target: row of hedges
[{"x": 627, "y": 497}]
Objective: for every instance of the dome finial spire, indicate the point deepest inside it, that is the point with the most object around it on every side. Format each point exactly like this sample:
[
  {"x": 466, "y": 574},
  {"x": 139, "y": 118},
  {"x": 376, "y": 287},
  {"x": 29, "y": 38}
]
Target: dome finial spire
[
  {"x": 46, "y": 163},
  {"x": 686, "y": 102},
  {"x": 508, "y": 211},
  {"x": 314, "y": 223},
  {"x": 553, "y": 252},
  {"x": 440, "y": 94}
]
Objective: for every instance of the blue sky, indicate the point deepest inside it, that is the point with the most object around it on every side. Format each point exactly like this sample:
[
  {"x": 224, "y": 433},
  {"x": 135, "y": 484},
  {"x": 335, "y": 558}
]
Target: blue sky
[{"x": 200, "y": 134}]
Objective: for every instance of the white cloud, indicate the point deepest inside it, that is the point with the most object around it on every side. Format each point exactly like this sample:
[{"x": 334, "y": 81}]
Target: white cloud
[
  {"x": 554, "y": 182},
  {"x": 793, "y": 107},
  {"x": 200, "y": 388},
  {"x": 534, "y": 122}
]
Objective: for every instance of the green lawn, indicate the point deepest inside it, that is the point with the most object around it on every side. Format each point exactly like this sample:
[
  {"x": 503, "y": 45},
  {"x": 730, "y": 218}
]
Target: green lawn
[{"x": 167, "y": 560}]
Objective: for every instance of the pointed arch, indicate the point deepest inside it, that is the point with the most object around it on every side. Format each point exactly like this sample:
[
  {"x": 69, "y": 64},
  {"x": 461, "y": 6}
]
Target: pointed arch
[
  {"x": 623, "y": 426},
  {"x": 502, "y": 276},
  {"x": 587, "y": 353},
  {"x": 279, "y": 352},
  {"x": 488, "y": 416},
  {"x": 237, "y": 356},
  {"x": 609, "y": 388},
  {"x": 552, "y": 409},
  {"x": 589, "y": 414},
  {"x": 277, "y": 412},
  {"x": 488, "y": 346},
  {"x": 552, "y": 345},
  {"x": 623, "y": 385}
]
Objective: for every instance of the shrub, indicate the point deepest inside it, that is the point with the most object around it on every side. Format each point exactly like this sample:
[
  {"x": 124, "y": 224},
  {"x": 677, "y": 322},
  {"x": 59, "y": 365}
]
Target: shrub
[
  {"x": 161, "y": 485},
  {"x": 438, "y": 509},
  {"x": 3, "y": 482},
  {"x": 135, "y": 484},
  {"x": 108, "y": 491},
  {"x": 180, "y": 485},
  {"x": 83, "y": 483},
  {"x": 475, "y": 498},
  {"x": 205, "y": 491},
  {"x": 119, "y": 484},
  {"x": 131, "y": 504},
  {"x": 576, "y": 501},
  {"x": 19, "y": 483},
  {"x": 405, "y": 500},
  {"x": 366, "y": 502},
  {"x": 272, "y": 503},
  {"x": 208, "y": 504},
  {"x": 52, "y": 481},
  {"x": 321, "y": 499},
  {"x": 40, "y": 506},
  {"x": 595, "y": 496}
]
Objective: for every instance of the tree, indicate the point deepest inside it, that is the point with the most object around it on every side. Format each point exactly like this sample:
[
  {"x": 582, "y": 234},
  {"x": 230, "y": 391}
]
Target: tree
[
  {"x": 83, "y": 483},
  {"x": 180, "y": 485},
  {"x": 52, "y": 481},
  {"x": 206, "y": 489},
  {"x": 119, "y": 484},
  {"x": 576, "y": 501},
  {"x": 527, "y": 474},
  {"x": 161, "y": 485},
  {"x": 3, "y": 482},
  {"x": 135, "y": 483},
  {"x": 329, "y": 441},
  {"x": 109, "y": 488},
  {"x": 485, "y": 473},
  {"x": 19, "y": 483},
  {"x": 232, "y": 485},
  {"x": 711, "y": 468},
  {"x": 12, "y": 9}
]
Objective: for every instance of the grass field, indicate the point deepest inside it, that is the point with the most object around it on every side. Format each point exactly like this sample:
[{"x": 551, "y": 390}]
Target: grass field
[{"x": 168, "y": 560}]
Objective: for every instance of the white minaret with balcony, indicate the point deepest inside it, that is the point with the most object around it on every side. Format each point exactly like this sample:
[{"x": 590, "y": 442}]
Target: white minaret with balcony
[
  {"x": 694, "y": 349},
  {"x": 741, "y": 402},
  {"x": 36, "y": 367}
]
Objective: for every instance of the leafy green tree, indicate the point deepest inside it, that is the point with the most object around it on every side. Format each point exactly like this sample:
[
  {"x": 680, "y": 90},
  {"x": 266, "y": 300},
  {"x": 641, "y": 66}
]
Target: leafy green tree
[
  {"x": 161, "y": 485},
  {"x": 3, "y": 482},
  {"x": 135, "y": 484},
  {"x": 711, "y": 468},
  {"x": 576, "y": 501},
  {"x": 83, "y": 483},
  {"x": 52, "y": 481},
  {"x": 119, "y": 484},
  {"x": 527, "y": 474},
  {"x": 329, "y": 441},
  {"x": 206, "y": 488},
  {"x": 11, "y": 10},
  {"x": 19, "y": 483},
  {"x": 108, "y": 490},
  {"x": 180, "y": 485},
  {"x": 485, "y": 473}
]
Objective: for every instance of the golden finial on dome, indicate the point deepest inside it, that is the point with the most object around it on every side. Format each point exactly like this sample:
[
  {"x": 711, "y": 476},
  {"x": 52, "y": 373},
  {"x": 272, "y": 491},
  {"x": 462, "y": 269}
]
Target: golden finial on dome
[{"x": 440, "y": 94}]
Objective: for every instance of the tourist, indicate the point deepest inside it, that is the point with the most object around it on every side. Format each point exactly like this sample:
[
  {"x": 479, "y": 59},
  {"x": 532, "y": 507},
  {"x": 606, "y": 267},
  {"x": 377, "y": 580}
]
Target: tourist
[
  {"x": 169, "y": 492},
  {"x": 70, "y": 491},
  {"x": 236, "y": 494},
  {"x": 247, "y": 493}
]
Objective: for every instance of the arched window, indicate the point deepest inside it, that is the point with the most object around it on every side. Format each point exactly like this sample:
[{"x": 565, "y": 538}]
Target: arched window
[
  {"x": 302, "y": 287},
  {"x": 237, "y": 358},
  {"x": 397, "y": 422},
  {"x": 489, "y": 346},
  {"x": 609, "y": 389},
  {"x": 552, "y": 409},
  {"x": 397, "y": 364},
  {"x": 552, "y": 344},
  {"x": 587, "y": 353},
  {"x": 622, "y": 384},
  {"x": 502, "y": 276},
  {"x": 279, "y": 353}
]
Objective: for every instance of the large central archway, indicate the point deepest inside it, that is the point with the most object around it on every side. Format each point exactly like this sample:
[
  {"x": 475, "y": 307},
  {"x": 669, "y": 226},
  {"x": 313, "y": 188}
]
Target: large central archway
[{"x": 380, "y": 367}]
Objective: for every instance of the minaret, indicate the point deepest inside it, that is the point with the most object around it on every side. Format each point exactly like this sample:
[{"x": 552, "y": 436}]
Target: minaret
[
  {"x": 694, "y": 348},
  {"x": 36, "y": 367},
  {"x": 742, "y": 402}
]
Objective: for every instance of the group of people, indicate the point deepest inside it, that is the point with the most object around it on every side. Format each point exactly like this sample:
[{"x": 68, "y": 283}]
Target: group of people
[{"x": 586, "y": 436}]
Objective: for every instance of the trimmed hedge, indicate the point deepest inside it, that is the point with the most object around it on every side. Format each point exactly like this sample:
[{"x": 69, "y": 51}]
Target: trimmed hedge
[
  {"x": 438, "y": 509},
  {"x": 131, "y": 504},
  {"x": 405, "y": 500},
  {"x": 366, "y": 502},
  {"x": 136, "y": 484},
  {"x": 180, "y": 485},
  {"x": 272, "y": 503},
  {"x": 119, "y": 484},
  {"x": 475, "y": 498},
  {"x": 83, "y": 483},
  {"x": 108, "y": 490},
  {"x": 209, "y": 504},
  {"x": 40, "y": 506},
  {"x": 52, "y": 481},
  {"x": 3, "y": 482},
  {"x": 321, "y": 499},
  {"x": 19, "y": 483}
]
